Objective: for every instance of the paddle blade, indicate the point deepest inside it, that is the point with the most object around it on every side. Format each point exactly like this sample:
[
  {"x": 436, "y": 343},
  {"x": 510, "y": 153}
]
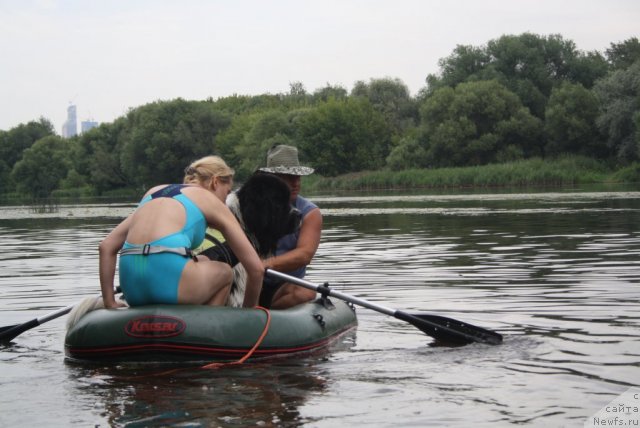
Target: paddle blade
[
  {"x": 8, "y": 333},
  {"x": 448, "y": 331}
]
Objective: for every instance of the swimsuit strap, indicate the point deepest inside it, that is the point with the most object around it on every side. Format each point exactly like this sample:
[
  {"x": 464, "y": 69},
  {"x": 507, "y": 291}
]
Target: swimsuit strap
[
  {"x": 147, "y": 249},
  {"x": 170, "y": 191}
]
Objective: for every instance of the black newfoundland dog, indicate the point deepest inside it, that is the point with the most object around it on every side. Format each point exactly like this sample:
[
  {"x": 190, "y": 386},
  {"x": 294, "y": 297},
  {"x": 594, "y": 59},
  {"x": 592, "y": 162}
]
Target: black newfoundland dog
[{"x": 264, "y": 211}]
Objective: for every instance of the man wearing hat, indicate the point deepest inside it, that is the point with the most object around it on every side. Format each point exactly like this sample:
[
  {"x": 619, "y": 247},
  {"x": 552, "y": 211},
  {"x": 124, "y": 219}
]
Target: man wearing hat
[{"x": 296, "y": 250}]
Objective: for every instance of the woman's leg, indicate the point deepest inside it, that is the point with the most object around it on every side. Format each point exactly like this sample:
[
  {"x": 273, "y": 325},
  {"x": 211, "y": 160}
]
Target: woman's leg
[{"x": 205, "y": 282}]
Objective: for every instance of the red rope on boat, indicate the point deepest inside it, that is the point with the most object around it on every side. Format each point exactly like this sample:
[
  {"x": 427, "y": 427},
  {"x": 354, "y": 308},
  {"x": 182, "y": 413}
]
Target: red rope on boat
[
  {"x": 211, "y": 366},
  {"x": 251, "y": 351}
]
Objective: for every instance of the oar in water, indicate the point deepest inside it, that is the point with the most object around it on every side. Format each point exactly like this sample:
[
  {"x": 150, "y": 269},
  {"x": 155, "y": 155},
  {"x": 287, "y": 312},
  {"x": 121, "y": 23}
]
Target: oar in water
[
  {"x": 446, "y": 331},
  {"x": 8, "y": 333}
]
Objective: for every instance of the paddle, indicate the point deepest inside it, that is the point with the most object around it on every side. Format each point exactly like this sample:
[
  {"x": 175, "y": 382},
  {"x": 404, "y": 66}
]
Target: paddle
[
  {"x": 8, "y": 333},
  {"x": 446, "y": 331}
]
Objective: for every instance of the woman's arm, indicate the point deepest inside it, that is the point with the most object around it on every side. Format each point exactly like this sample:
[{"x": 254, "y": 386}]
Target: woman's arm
[
  {"x": 108, "y": 252},
  {"x": 220, "y": 217}
]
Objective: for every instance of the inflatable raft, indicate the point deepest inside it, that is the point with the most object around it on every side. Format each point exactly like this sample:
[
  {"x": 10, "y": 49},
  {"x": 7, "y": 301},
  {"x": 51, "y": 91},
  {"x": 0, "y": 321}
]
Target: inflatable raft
[{"x": 189, "y": 333}]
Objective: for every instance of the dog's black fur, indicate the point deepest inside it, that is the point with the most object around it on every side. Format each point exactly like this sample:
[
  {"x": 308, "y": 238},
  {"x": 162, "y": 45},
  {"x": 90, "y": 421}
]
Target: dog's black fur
[
  {"x": 266, "y": 211},
  {"x": 267, "y": 216}
]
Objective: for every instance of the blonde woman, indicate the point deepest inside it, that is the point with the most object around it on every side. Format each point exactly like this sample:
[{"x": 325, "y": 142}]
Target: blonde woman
[{"x": 156, "y": 265}]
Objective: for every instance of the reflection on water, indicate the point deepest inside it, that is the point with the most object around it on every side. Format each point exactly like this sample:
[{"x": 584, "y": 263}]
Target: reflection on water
[
  {"x": 260, "y": 395},
  {"x": 557, "y": 273}
]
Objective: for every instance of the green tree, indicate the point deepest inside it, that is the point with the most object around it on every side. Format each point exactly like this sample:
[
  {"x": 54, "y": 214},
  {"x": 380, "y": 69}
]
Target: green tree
[
  {"x": 342, "y": 136},
  {"x": 6, "y": 182},
  {"x": 163, "y": 137},
  {"x": 252, "y": 149},
  {"x": 409, "y": 153},
  {"x": 42, "y": 167},
  {"x": 465, "y": 63},
  {"x": 390, "y": 97},
  {"x": 232, "y": 141},
  {"x": 244, "y": 104},
  {"x": 570, "y": 122},
  {"x": 15, "y": 141},
  {"x": 5, "y": 171},
  {"x": 477, "y": 123},
  {"x": 527, "y": 64},
  {"x": 586, "y": 69},
  {"x": 619, "y": 95},
  {"x": 623, "y": 55},
  {"x": 298, "y": 96},
  {"x": 297, "y": 89},
  {"x": 324, "y": 94},
  {"x": 98, "y": 154},
  {"x": 532, "y": 65}
]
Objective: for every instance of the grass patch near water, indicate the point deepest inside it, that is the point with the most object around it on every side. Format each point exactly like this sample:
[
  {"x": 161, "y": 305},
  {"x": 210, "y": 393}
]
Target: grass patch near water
[{"x": 532, "y": 172}]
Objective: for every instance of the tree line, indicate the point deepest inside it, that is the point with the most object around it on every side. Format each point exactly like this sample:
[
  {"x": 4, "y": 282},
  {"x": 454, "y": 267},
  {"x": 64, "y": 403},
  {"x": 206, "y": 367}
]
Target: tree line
[{"x": 517, "y": 97}]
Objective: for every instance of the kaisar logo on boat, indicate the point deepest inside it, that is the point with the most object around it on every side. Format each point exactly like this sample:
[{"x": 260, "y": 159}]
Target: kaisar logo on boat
[{"x": 155, "y": 326}]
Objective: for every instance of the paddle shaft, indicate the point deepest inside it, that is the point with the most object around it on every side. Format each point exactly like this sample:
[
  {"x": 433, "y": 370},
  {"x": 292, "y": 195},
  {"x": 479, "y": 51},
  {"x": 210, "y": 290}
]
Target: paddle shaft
[
  {"x": 9, "y": 332},
  {"x": 444, "y": 330},
  {"x": 323, "y": 289}
]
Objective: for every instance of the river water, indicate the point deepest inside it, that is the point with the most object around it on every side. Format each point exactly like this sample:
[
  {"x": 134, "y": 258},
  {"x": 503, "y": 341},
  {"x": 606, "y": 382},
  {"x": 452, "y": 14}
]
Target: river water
[{"x": 557, "y": 273}]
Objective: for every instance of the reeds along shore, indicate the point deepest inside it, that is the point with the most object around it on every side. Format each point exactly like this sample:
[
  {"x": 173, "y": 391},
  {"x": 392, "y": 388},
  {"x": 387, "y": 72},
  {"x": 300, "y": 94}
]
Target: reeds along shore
[{"x": 569, "y": 170}]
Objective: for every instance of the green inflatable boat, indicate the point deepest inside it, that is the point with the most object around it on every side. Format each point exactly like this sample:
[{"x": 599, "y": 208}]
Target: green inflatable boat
[{"x": 189, "y": 333}]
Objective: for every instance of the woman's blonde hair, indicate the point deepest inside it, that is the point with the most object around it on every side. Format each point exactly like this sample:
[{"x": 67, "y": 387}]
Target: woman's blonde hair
[{"x": 206, "y": 168}]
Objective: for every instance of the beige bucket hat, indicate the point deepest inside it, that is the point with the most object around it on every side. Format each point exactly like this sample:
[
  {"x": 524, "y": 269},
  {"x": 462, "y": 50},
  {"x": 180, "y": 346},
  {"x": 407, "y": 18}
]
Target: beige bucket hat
[{"x": 283, "y": 159}]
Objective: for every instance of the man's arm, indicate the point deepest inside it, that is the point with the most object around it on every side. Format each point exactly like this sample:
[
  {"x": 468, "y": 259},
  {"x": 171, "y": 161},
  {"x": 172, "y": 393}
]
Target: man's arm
[{"x": 308, "y": 242}]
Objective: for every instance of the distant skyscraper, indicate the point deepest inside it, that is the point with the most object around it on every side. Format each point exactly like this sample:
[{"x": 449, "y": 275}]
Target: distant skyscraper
[
  {"x": 70, "y": 127},
  {"x": 86, "y": 125}
]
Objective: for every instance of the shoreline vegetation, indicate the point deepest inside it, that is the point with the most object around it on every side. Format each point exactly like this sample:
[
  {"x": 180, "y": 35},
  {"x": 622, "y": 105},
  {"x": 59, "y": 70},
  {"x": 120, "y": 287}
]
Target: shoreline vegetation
[
  {"x": 558, "y": 173},
  {"x": 570, "y": 170}
]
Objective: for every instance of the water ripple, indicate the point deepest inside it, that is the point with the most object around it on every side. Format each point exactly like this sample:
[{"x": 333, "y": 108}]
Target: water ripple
[{"x": 558, "y": 274}]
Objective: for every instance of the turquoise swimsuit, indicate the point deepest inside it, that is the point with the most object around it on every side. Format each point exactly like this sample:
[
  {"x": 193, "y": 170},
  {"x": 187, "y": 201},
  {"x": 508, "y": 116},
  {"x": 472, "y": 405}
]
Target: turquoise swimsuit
[{"x": 154, "y": 278}]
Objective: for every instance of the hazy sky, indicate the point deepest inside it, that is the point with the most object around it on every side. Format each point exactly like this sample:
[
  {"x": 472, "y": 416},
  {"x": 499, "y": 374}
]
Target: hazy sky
[{"x": 112, "y": 55}]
